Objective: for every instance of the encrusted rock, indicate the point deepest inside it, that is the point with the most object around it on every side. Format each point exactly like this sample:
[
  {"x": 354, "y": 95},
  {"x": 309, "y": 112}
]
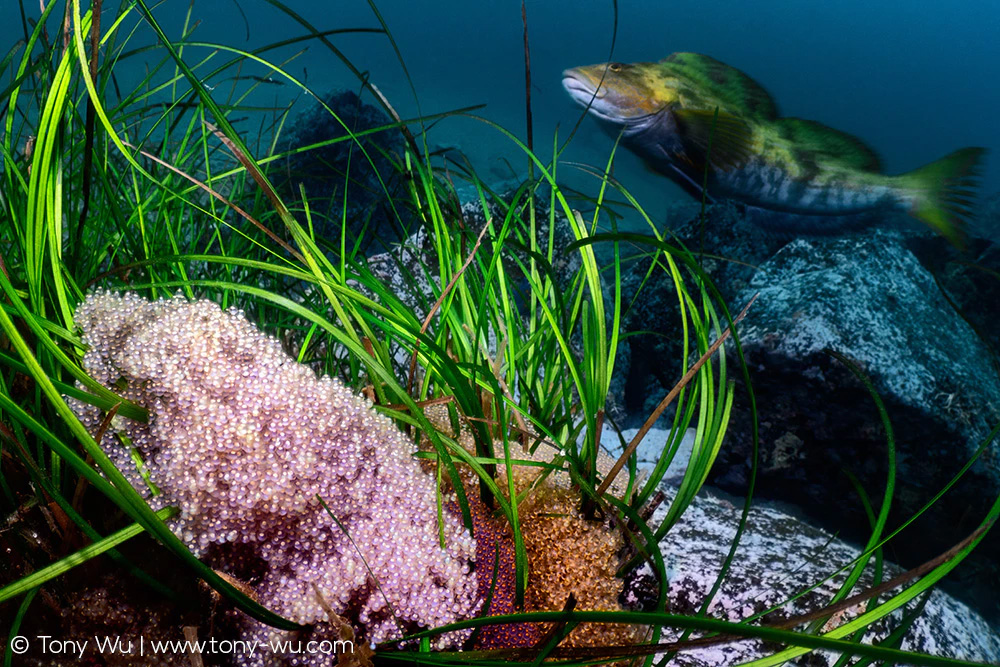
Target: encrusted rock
[
  {"x": 920, "y": 322},
  {"x": 779, "y": 557},
  {"x": 868, "y": 298}
]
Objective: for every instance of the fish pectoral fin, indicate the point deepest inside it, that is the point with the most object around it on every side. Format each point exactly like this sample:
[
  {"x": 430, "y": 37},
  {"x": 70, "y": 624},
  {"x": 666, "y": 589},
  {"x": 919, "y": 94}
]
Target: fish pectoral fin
[
  {"x": 726, "y": 140},
  {"x": 664, "y": 162},
  {"x": 691, "y": 186}
]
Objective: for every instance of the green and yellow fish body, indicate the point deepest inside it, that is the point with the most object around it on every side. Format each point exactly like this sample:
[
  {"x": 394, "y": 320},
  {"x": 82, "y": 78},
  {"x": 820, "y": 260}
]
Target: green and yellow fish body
[{"x": 700, "y": 121}]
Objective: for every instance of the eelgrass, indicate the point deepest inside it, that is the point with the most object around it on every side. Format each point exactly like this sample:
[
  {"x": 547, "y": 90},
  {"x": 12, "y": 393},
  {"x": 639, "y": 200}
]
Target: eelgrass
[{"x": 521, "y": 351}]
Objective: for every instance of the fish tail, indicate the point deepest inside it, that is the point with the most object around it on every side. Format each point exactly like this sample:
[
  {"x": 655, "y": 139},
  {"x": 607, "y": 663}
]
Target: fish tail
[{"x": 941, "y": 194}]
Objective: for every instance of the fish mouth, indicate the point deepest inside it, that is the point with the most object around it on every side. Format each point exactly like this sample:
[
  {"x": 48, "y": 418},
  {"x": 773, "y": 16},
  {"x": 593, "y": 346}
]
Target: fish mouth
[
  {"x": 588, "y": 93},
  {"x": 580, "y": 87}
]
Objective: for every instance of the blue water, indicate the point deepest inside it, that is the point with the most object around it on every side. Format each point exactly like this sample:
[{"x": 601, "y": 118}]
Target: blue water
[{"x": 912, "y": 78}]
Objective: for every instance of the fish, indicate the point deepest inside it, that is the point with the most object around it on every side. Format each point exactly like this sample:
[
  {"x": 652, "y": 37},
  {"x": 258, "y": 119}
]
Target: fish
[{"x": 716, "y": 132}]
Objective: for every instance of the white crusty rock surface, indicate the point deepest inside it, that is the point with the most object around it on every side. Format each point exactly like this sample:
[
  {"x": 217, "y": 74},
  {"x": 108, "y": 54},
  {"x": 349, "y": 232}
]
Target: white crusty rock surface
[{"x": 779, "y": 555}]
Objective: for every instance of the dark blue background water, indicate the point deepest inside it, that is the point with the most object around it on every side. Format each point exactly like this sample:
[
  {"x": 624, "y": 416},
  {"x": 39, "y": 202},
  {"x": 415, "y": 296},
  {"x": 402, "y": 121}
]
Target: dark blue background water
[{"x": 915, "y": 79}]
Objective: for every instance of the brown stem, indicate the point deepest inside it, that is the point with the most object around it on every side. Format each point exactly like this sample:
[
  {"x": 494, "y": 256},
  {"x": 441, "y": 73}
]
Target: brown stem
[
  {"x": 437, "y": 305},
  {"x": 274, "y": 237}
]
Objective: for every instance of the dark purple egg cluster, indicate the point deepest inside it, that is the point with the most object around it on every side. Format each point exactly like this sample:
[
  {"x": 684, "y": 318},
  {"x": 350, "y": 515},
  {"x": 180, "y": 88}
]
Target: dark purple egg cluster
[
  {"x": 244, "y": 440},
  {"x": 495, "y": 553}
]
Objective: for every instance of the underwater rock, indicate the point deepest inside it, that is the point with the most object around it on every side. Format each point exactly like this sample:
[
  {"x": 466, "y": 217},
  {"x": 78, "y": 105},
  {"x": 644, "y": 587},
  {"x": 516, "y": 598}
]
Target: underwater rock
[
  {"x": 868, "y": 298},
  {"x": 780, "y": 556},
  {"x": 969, "y": 279},
  {"x": 651, "y": 448},
  {"x": 729, "y": 248},
  {"x": 403, "y": 268},
  {"x": 919, "y": 318},
  {"x": 377, "y": 200},
  {"x": 246, "y": 441}
]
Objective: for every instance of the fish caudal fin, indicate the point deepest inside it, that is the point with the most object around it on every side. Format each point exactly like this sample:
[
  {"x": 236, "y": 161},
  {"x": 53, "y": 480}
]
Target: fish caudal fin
[{"x": 943, "y": 192}]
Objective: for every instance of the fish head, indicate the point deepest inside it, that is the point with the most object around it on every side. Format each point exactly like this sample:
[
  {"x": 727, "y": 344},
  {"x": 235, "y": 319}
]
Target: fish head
[{"x": 628, "y": 95}]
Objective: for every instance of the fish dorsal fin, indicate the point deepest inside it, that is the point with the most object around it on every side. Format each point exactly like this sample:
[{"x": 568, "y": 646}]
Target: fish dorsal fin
[
  {"x": 735, "y": 91},
  {"x": 725, "y": 139},
  {"x": 828, "y": 144}
]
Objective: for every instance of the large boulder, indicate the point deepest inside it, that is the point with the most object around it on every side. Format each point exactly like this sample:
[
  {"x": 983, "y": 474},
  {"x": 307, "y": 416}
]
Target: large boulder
[
  {"x": 869, "y": 299},
  {"x": 779, "y": 557},
  {"x": 377, "y": 202},
  {"x": 917, "y": 316},
  {"x": 969, "y": 279}
]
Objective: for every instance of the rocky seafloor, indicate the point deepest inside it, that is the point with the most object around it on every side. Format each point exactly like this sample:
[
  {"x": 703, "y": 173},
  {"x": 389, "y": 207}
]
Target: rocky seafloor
[{"x": 906, "y": 309}]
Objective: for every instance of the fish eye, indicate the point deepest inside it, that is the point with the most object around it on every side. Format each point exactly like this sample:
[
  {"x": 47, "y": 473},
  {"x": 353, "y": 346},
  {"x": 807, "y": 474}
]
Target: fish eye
[{"x": 615, "y": 67}]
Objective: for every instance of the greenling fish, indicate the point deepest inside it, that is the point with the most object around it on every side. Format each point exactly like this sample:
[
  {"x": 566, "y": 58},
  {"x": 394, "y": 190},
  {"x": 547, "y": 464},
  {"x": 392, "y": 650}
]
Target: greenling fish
[{"x": 694, "y": 118}]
